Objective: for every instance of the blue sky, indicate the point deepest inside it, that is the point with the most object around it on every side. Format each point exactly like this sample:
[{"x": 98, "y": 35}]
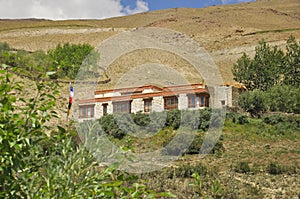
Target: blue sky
[
  {"x": 93, "y": 9},
  {"x": 164, "y": 4}
]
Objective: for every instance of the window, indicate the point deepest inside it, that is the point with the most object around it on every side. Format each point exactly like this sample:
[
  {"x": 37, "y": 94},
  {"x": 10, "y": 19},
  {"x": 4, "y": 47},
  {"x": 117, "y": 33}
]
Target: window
[
  {"x": 207, "y": 101},
  {"x": 202, "y": 101},
  {"x": 147, "y": 105},
  {"x": 122, "y": 107},
  {"x": 86, "y": 111},
  {"x": 192, "y": 101},
  {"x": 171, "y": 103},
  {"x": 104, "y": 109},
  {"x": 195, "y": 101},
  {"x": 223, "y": 102}
]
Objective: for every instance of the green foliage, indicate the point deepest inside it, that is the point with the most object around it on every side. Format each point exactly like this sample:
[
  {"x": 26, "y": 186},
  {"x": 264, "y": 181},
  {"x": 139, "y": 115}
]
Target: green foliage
[
  {"x": 242, "y": 119},
  {"x": 275, "y": 168},
  {"x": 118, "y": 125},
  {"x": 291, "y": 71},
  {"x": 66, "y": 59},
  {"x": 23, "y": 125},
  {"x": 187, "y": 170},
  {"x": 269, "y": 67},
  {"x": 141, "y": 119},
  {"x": 110, "y": 126},
  {"x": 274, "y": 119},
  {"x": 33, "y": 165},
  {"x": 215, "y": 191},
  {"x": 284, "y": 98},
  {"x": 175, "y": 146},
  {"x": 242, "y": 167},
  {"x": 253, "y": 102},
  {"x": 273, "y": 72},
  {"x": 4, "y": 46},
  {"x": 263, "y": 71},
  {"x": 173, "y": 118}
]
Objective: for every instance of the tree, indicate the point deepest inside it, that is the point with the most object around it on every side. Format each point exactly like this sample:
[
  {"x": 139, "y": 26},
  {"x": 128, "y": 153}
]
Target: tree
[
  {"x": 253, "y": 102},
  {"x": 263, "y": 71},
  {"x": 291, "y": 68},
  {"x": 67, "y": 59},
  {"x": 284, "y": 98}
]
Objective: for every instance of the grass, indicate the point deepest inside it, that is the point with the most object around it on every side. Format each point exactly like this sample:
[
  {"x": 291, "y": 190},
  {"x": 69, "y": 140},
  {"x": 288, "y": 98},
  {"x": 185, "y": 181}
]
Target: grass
[{"x": 253, "y": 165}]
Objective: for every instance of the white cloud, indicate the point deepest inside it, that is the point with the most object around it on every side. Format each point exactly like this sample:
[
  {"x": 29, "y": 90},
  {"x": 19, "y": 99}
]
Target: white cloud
[
  {"x": 67, "y": 9},
  {"x": 141, "y": 6}
]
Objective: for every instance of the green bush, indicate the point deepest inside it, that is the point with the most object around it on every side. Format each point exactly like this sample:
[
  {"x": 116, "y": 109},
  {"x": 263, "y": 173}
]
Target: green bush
[
  {"x": 181, "y": 144},
  {"x": 242, "y": 119},
  {"x": 187, "y": 170},
  {"x": 33, "y": 165},
  {"x": 274, "y": 119},
  {"x": 173, "y": 118},
  {"x": 276, "y": 169},
  {"x": 242, "y": 167},
  {"x": 141, "y": 119},
  {"x": 110, "y": 126},
  {"x": 4, "y": 46},
  {"x": 284, "y": 98},
  {"x": 253, "y": 102},
  {"x": 67, "y": 59}
]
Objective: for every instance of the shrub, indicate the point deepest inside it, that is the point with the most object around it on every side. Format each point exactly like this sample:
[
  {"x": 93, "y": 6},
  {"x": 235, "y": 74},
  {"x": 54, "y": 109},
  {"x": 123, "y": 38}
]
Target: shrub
[
  {"x": 274, "y": 168},
  {"x": 141, "y": 119},
  {"x": 284, "y": 98},
  {"x": 4, "y": 46},
  {"x": 110, "y": 127},
  {"x": 242, "y": 167},
  {"x": 242, "y": 119},
  {"x": 274, "y": 119},
  {"x": 253, "y": 102},
  {"x": 204, "y": 118},
  {"x": 33, "y": 165},
  {"x": 187, "y": 143},
  {"x": 187, "y": 170},
  {"x": 173, "y": 118},
  {"x": 66, "y": 59}
]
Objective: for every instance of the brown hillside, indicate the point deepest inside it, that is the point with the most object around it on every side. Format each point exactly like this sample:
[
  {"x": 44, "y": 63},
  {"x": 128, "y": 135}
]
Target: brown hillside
[{"x": 224, "y": 31}]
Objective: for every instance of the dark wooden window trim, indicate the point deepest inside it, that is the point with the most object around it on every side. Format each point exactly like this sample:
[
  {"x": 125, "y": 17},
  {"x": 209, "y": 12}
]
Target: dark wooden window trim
[
  {"x": 122, "y": 107},
  {"x": 192, "y": 101},
  {"x": 198, "y": 100},
  {"x": 87, "y": 111},
  {"x": 104, "y": 106},
  {"x": 171, "y": 102},
  {"x": 148, "y": 105}
]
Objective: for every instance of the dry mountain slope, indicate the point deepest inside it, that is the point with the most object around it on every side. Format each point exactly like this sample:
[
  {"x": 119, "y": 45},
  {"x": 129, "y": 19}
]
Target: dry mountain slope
[{"x": 224, "y": 31}]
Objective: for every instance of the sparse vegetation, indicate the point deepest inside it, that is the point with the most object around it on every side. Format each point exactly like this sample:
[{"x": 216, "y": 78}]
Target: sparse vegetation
[
  {"x": 254, "y": 158},
  {"x": 271, "y": 77}
]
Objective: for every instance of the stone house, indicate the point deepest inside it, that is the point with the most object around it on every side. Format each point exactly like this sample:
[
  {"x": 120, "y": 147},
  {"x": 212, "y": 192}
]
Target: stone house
[{"x": 146, "y": 99}]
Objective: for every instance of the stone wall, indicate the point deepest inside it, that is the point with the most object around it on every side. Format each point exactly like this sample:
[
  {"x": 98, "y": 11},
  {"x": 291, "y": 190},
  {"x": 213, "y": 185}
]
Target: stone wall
[
  {"x": 182, "y": 102},
  {"x": 137, "y": 105}
]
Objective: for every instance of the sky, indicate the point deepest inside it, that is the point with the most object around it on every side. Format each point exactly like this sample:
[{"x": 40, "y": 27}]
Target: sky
[{"x": 94, "y": 9}]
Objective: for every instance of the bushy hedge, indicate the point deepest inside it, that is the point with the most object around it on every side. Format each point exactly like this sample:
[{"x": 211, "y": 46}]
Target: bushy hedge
[{"x": 118, "y": 125}]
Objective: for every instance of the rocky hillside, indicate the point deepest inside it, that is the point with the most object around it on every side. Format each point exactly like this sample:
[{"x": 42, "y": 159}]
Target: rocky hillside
[{"x": 224, "y": 31}]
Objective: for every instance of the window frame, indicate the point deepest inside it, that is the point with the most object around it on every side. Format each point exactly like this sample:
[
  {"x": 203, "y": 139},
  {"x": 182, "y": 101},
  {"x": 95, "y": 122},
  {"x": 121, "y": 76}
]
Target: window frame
[
  {"x": 104, "y": 108},
  {"x": 148, "y": 105},
  {"x": 122, "y": 106},
  {"x": 192, "y": 101},
  {"x": 171, "y": 106},
  {"x": 87, "y": 111}
]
